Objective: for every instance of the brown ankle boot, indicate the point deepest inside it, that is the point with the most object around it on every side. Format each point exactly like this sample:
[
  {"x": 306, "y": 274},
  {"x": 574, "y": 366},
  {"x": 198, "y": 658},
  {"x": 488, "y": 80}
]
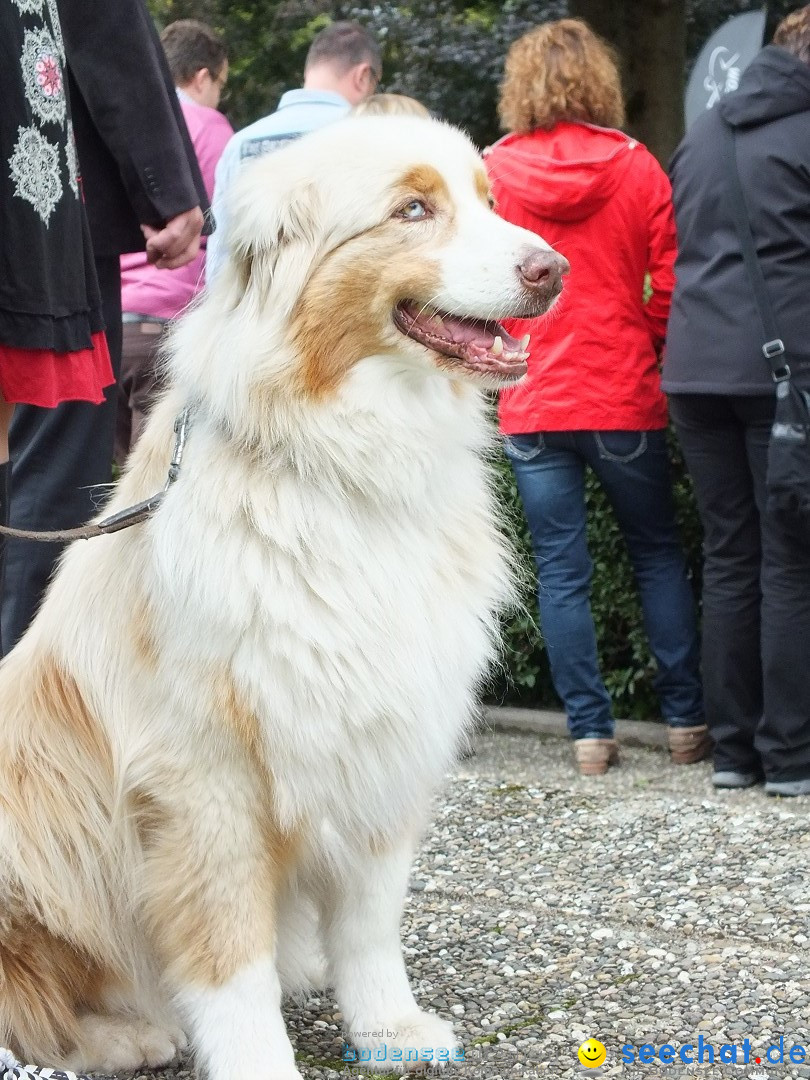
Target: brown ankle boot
[
  {"x": 688, "y": 745},
  {"x": 594, "y": 756}
]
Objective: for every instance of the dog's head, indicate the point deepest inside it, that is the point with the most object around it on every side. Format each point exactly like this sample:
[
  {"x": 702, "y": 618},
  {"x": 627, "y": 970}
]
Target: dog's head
[{"x": 376, "y": 237}]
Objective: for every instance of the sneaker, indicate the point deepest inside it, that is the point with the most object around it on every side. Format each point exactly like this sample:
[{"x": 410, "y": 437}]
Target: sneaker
[
  {"x": 688, "y": 745},
  {"x": 787, "y": 788},
  {"x": 595, "y": 756},
  {"x": 727, "y": 778}
]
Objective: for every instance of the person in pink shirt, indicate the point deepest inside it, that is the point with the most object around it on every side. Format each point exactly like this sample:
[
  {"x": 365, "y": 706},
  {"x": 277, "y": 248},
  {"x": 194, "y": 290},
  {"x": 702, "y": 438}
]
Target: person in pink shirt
[{"x": 151, "y": 297}]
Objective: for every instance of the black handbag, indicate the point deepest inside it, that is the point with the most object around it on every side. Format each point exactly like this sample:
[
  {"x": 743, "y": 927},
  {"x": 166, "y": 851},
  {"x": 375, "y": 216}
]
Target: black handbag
[{"x": 788, "y": 474}]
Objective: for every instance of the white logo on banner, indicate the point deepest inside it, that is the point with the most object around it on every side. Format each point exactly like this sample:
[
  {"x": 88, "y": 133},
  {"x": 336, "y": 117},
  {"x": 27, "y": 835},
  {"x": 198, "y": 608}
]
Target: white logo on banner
[{"x": 723, "y": 76}]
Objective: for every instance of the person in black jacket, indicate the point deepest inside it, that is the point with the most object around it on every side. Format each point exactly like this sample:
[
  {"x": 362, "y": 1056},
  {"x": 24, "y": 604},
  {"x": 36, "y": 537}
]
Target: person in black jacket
[
  {"x": 142, "y": 188},
  {"x": 756, "y": 588}
]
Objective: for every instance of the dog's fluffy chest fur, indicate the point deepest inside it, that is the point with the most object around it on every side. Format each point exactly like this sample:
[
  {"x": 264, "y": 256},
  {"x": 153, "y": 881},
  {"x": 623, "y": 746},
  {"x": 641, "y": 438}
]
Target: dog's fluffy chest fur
[{"x": 339, "y": 608}]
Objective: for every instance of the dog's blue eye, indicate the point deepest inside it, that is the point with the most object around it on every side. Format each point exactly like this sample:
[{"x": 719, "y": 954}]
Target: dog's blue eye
[{"x": 414, "y": 210}]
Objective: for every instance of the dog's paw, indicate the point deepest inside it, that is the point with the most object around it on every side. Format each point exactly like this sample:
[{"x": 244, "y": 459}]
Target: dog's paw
[
  {"x": 113, "y": 1044},
  {"x": 413, "y": 1043}
]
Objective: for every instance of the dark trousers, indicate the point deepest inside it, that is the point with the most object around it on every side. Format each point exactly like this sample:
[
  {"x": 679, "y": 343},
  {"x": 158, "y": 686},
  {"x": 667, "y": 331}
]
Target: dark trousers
[
  {"x": 140, "y": 382},
  {"x": 60, "y": 460},
  {"x": 756, "y": 591}
]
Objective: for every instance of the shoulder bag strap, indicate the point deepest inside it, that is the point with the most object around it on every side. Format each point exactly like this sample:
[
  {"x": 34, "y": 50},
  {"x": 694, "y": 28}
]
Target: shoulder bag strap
[{"x": 773, "y": 348}]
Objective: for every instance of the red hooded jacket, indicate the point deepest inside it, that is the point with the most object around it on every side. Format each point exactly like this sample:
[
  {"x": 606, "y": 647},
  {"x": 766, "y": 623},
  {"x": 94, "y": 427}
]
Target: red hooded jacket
[{"x": 602, "y": 200}]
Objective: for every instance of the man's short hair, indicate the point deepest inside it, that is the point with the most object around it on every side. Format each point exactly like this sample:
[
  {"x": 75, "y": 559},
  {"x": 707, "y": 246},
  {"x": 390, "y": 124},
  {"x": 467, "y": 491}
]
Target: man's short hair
[
  {"x": 191, "y": 45},
  {"x": 793, "y": 33},
  {"x": 345, "y": 45}
]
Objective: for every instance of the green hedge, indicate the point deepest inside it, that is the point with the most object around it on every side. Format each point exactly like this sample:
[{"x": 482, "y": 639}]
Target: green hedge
[{"x": 627, "y": 666}]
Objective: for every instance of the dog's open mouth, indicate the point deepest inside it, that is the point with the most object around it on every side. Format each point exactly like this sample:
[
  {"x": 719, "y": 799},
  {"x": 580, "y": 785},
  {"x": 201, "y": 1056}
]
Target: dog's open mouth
[{"x": 479, "y": 344}]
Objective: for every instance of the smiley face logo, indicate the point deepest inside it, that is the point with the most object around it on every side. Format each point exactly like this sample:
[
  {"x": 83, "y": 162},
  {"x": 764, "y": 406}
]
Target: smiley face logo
[{"x": 592, "y": 1054}]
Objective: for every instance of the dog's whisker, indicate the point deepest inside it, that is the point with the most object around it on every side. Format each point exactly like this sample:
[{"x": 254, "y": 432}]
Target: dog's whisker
[{"x": 431, "y": 303}]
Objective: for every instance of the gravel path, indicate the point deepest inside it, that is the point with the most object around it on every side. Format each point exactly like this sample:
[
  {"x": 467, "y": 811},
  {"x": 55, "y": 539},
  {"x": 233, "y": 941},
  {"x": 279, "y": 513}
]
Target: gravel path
[{"x": 642, "y": 907}]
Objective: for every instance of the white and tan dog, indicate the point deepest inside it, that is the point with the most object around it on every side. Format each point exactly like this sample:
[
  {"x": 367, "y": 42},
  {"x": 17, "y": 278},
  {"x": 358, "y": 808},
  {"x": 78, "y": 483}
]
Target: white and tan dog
[{"x": 220, "y": 737}]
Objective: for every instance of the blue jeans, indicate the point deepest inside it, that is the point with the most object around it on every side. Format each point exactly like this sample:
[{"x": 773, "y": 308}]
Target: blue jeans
[{"x": 633, "y": 469}]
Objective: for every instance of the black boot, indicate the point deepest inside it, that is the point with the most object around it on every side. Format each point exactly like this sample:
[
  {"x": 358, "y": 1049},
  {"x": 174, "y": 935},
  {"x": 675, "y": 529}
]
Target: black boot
[{"x": 5, "y": 473}]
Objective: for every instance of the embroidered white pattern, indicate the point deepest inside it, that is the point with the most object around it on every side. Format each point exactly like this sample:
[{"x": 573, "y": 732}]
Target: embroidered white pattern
[
  {"x": 56, "y": 27},
  {"x": 35, "y": 171},
  {"x": 72, "y": 160},
  {"x": 42, "y": 76},
  {"x": 29, "y": 7}
]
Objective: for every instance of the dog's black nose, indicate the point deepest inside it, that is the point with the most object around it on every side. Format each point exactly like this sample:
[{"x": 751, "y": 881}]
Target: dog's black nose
[{"x": 541, "y": 271}]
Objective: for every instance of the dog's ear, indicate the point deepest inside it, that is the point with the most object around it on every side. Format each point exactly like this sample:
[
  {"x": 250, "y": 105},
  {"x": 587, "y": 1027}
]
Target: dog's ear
[{"x": 268, "y": 220}]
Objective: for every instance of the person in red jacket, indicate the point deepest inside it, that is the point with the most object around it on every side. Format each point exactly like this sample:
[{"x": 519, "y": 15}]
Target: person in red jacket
[{"x": 592, "y": 396}]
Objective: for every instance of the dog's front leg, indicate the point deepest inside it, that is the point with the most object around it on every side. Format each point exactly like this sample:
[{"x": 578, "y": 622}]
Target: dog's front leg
[
  {"x": 213, "y": 874},
  {"x": 236, "y": 1027},
  {"x": 361, "y": 915}
]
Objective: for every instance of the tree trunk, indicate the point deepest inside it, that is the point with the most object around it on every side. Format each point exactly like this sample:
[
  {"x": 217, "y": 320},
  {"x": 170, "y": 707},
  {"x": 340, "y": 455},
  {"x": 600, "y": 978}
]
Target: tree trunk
[{"x": 650, "y": 36}]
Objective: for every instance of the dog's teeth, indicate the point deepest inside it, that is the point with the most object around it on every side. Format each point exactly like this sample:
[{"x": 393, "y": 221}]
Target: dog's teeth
[
  {"x": 438, "y": 322},
  {"x": 497, "y": 346},
  {"x": 524, "y": 341}
]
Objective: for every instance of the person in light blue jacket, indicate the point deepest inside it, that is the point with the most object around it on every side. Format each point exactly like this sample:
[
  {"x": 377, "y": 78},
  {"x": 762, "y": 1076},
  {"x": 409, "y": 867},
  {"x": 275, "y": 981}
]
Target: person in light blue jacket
[{"x": 343, "y": 68}]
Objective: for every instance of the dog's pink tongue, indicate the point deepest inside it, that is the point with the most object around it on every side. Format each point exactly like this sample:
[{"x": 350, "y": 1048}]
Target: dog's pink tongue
[
  {"x": 479, "y": 333},
  {"x": 464, "y": 331}
]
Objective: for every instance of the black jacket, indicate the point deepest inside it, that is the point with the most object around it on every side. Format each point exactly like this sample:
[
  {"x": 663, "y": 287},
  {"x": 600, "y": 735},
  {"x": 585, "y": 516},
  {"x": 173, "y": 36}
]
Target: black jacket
[
  {"x": 136, "y": 158},
  {"x": 48, "y": 291},
  {"x": 714, "y": 335}
]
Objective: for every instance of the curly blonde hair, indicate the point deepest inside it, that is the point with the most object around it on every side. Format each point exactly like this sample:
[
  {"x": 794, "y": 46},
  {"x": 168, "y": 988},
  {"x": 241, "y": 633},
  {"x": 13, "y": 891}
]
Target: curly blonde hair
[
  {"x": 560, "y": 71},
  {"x": 793, "y": 34}
]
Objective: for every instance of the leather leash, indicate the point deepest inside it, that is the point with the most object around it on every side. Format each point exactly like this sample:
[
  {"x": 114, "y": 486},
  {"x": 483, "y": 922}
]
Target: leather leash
[{"x": 132, "y": 515}]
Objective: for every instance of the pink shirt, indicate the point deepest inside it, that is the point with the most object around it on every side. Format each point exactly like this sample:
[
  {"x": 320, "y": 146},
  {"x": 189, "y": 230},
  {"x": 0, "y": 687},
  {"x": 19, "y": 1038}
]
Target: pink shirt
[{"x": 165, "y": 293}]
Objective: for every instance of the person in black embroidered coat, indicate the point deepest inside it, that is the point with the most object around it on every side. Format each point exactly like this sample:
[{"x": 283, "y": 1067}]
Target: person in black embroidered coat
[{"x": 142, "y": 188}]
